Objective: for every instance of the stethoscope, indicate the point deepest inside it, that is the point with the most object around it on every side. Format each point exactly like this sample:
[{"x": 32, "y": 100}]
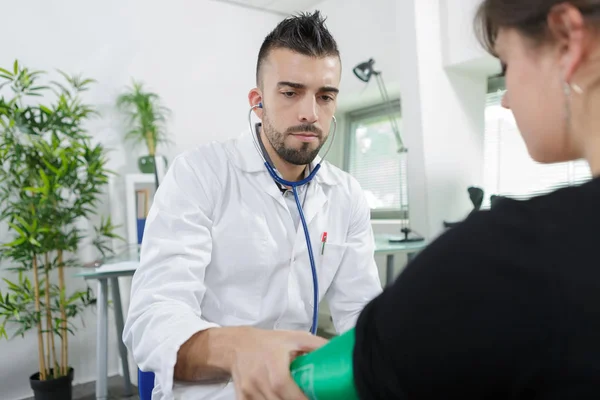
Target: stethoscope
[{"x": 294, "y": 186}]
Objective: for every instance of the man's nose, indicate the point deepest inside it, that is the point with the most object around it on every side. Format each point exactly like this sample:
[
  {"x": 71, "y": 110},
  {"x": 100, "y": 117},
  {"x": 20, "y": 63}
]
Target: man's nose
[{"x": 308, "y": 110}]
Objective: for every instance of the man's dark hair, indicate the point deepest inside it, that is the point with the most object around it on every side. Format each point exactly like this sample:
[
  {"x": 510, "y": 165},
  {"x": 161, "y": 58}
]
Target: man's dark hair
[{"x": 304, "y": 33}]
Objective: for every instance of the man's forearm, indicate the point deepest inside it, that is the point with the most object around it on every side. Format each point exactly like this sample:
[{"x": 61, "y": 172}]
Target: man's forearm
[{"x": 207, "y": 356}]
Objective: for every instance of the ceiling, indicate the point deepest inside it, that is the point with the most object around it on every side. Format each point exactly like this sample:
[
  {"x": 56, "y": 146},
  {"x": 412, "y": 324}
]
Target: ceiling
[{"x": 282, "y": 7}]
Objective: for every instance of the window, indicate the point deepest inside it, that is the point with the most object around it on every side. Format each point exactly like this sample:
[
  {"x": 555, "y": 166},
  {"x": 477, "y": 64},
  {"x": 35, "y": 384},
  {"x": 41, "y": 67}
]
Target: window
[
  {"x": 508, "y": 167},
  {"x": 372, "y": 158}
]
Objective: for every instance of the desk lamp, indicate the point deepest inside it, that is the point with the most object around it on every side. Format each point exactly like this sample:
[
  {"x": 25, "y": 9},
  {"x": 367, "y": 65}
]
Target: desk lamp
[{"x": 364, "y": 71}]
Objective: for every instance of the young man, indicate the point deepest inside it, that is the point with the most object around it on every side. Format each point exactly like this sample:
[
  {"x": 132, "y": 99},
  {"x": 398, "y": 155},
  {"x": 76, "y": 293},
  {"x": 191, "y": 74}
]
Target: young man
[{"x": 223, "y": 298}]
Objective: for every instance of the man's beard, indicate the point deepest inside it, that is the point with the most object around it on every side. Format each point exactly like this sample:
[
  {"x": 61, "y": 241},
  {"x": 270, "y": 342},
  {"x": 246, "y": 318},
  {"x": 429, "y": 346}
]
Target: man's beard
[{"x": 302, "y": 156}]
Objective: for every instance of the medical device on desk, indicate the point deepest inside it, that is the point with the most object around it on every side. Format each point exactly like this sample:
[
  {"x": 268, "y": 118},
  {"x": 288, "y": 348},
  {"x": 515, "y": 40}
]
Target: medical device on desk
[{"x": 294, "y": 186}]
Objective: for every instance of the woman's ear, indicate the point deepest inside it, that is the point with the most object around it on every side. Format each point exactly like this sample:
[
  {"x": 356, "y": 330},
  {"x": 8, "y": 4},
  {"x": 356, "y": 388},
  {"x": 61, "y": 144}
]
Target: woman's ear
[
  {"x": 567, "y": 27},
  {"x": 255, "y": 100}
]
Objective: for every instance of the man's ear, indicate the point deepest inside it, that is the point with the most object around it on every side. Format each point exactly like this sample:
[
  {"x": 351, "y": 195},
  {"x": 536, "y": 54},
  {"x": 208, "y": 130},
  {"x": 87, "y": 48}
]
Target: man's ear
[{"x": 255, "y": 100}]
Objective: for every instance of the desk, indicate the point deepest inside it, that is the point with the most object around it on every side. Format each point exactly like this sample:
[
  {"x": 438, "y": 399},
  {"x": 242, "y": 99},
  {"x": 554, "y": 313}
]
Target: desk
[
  {"x": 110, "y": 269},
  {"x": 384, "y": 246}
]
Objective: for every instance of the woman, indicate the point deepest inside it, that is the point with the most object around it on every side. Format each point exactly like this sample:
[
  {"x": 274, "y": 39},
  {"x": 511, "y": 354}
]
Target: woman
[{"x": 507, "y": 304}]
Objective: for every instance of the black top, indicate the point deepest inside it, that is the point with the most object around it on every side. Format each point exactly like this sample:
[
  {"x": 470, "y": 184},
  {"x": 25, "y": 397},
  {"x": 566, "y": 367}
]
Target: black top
[{"x": 504, "y": 306}]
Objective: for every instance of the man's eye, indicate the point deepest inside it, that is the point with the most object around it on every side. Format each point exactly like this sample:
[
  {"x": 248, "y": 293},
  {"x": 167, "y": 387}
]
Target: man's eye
[{"x": 288, "y": 94}]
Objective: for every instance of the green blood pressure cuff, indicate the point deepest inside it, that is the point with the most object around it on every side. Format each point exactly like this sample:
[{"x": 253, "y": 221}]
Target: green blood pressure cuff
[{"x": 327, "y": 373}]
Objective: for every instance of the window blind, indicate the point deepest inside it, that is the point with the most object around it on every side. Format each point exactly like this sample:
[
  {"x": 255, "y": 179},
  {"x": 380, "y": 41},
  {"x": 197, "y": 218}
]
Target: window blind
[
  {"x": 509, "y": 170},
  {"x": 372, "y": 158}
]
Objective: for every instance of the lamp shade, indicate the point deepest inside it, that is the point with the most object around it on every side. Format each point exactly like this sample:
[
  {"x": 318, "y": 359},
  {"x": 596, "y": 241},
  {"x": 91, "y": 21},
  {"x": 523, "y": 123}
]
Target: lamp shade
[{"x": 364, "y": 70}]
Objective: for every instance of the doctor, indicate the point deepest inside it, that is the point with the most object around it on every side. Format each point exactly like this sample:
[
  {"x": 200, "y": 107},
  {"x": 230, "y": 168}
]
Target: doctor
[{"x": 223, "y": 298}]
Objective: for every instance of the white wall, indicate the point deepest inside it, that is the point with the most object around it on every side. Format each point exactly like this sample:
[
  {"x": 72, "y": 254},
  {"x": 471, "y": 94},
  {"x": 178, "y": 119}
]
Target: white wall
[
  {"x": 460, "y": 45},
  {"x": 452, "y": 111},
  {"x": 184, "y": 50}
]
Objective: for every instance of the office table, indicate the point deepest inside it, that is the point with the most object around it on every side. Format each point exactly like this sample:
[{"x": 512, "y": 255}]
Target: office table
[
  {"x": 110, "y": 270},
  {"x": 384, "y": 246}
]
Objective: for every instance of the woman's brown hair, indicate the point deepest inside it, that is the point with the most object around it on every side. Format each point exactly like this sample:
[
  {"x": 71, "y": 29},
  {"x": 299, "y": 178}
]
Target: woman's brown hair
[{"x": 529, "y": 17}]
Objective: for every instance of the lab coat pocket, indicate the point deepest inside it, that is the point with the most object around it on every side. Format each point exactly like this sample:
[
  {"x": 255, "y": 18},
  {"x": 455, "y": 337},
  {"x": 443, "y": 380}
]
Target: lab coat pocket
[{"x": 331, "y": 259}]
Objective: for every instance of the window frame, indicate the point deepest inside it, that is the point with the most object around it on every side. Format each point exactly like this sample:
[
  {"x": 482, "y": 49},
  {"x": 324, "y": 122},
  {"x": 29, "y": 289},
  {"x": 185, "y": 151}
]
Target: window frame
[{"x": 350, "y": 118}]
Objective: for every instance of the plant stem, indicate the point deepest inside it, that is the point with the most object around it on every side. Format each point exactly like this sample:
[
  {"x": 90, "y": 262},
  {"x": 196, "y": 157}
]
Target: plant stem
[
  {"x": 150, "y": 143},
  {"x": 63, "y": 314},
  {"x": 41, "y": 351},
  {"x": 50, "y": 340}
]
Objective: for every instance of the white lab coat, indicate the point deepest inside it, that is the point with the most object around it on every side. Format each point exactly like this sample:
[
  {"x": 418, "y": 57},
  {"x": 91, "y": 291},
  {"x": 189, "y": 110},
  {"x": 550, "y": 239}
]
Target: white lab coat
[{"x": 220, "y": 249}]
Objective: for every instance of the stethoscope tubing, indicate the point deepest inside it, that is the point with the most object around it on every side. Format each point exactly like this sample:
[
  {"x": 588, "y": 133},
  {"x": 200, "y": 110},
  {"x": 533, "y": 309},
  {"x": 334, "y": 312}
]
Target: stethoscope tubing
[{"x": 294, "y": 186}]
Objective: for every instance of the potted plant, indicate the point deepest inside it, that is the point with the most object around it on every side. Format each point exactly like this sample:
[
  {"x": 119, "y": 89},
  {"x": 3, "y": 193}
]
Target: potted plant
[
  {"x": 51, "y": 179},
  {"x": 146, "y": 122}
]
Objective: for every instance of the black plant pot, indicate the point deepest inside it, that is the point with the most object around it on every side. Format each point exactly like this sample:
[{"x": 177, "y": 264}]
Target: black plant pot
[{"x": 52, "y": 389}]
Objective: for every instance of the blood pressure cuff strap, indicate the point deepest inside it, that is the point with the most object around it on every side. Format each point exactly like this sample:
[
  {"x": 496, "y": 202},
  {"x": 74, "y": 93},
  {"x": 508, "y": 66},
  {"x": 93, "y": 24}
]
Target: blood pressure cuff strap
[{"x": 327, "y": 373}]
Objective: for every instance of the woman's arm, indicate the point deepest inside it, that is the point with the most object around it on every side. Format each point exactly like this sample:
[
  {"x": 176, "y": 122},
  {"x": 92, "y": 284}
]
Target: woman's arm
[{"x": 471, "y": 316}]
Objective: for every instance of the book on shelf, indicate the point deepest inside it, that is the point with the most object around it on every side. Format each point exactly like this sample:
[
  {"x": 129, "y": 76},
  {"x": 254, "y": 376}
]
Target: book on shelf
[{"x": 142, "y": 199}]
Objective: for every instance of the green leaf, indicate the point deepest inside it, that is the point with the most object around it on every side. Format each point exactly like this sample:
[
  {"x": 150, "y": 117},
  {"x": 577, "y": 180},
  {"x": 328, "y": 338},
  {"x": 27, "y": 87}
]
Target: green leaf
[
  {"x": 16, "y": 228},
  {"x": 16, "y": 67},
  {"x": 45, "y": 180},
  {"x": 51, "y": 167},
  {"x": 39, "y": 88},
  {"x": 24, "y": 223},
  {"x": 12, "y": 285},
  {"x": 33, "y": 189},
  {"x": 5, "y": 71},
  {"x": 46, "y": 110},
  {"x": 16, "y": 242}
]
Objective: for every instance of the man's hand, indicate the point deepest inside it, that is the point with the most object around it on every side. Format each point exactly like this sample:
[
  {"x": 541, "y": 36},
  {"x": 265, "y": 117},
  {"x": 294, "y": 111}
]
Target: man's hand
[
  {"x": 260, "y": 363},
  {"x": 257, "y": 360}
]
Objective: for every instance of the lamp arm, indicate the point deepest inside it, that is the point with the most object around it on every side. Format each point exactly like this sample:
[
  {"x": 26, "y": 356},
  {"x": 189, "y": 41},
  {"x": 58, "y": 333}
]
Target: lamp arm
[{"x": 393, "y": 122}]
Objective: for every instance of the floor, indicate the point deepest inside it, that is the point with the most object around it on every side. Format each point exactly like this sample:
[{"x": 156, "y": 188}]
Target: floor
[{"x": 87, "y": 391}]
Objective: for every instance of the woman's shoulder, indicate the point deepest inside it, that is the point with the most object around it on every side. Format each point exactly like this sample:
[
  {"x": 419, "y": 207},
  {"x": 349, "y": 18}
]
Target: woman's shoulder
[
  {"x": 547, "y": 211},
  {"x": 527, "y": 226}
]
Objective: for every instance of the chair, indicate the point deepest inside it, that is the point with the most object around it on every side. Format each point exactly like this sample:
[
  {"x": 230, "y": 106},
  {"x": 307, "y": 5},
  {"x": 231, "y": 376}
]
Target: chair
[{"x": 145, "y": 384}]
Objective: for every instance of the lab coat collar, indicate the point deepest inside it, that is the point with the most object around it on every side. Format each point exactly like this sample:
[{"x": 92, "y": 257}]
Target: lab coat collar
[{"x": 246, "y": 158}]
